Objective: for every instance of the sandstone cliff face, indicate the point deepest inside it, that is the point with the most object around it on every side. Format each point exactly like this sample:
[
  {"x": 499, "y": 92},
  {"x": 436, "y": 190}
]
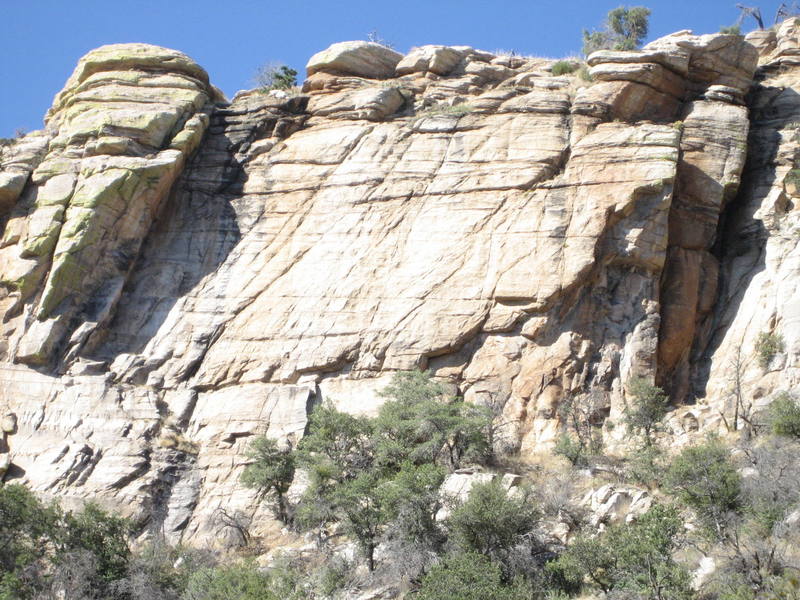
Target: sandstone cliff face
[{"x": 179, "y": 273}]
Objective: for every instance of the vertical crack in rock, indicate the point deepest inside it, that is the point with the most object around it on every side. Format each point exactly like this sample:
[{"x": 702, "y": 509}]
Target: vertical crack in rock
[
  {"x": 757, "y": 248},
  {"x": 714, "y": 126}
]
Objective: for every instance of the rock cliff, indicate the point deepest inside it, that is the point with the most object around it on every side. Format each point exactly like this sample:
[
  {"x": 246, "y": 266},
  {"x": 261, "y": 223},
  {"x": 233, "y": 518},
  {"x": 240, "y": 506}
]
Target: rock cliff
[{"x": 179, "y": 273}]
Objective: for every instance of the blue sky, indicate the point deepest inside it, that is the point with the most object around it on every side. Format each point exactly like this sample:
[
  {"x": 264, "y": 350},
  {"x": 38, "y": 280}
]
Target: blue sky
[{"x": 42, "y": 40}]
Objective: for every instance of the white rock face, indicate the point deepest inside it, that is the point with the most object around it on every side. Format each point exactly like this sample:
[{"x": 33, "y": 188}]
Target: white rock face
[
  {"x": 612, "y": 504},
  {"x": 179, "y": 274}
]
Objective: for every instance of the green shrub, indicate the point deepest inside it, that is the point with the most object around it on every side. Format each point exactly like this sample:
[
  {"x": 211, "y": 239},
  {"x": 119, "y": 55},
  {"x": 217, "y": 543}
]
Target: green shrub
[
  {"x": 563, "y": 67},
  {"x": 338, "y": 453},
  {"x": 772, "y": 490},
  {"x": 586, "y": 560},
  {"x": 767, "y": 346},
  {"x": 705, "y": 479},
  {"x": 793, "y": 176},
  {"x": 337, "y": 447},
  {"x": 647, "y": 408},
  {"x": 38, "y": 539},
  {"x": 420, "y": 425},
  {"x": 581, "y": 415},
  {"x": 412, "y": 500},
  {"x": 625, "y": 28},
  {"x": 455, "y": 110},
  {"x": 784, "y": 415},
  {"x": 491, "y": 521},
  {"x": 371, "y": 475},
  {"x": 731, "y": 30},
  {"x": 736, "y": 586},
  {"x": 334, "y": 575},
  {"x": 101, "y": 533},
  {"x": 288, "y": 578},
  {"x": 569, "y": 448},
  {"x": 26, "y": 530},
  {"x": 646, "y": 466},
  {"x": 469, "y": 576},
  {"x": 583, "y": 73},
  {"x": 635, "y": 558},
  {"x": 275, "y": 76},
  {"x": 271, "y": 473},
  {"x": 628, "y": 25},
  {"x": 242, "y": 581},
  {"x": 159, "y": 571},
  {"x": 362, "y": 512}
]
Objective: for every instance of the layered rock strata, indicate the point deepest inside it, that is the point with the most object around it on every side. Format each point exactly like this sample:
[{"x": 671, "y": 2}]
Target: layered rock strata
[{"x": 179, "y": 273}]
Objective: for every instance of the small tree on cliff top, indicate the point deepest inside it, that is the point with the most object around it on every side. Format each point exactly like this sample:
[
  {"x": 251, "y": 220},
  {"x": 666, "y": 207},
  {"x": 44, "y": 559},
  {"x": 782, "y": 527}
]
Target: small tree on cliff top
[
  {"x": 625, "y": 29},
  {"x": 275, "y": 76}
]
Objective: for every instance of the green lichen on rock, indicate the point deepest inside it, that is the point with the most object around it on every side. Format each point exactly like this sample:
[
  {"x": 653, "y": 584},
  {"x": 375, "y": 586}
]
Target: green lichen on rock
[
  {"x": 131, "y": 58},
  {"x": 188, "y": 139},
  {"x": 102, "y": 199},
  {"x": 118, "y": 135},
  {"x": 25, "y": 285},
  {"x": 66, "y": 276},
  {"x": 44, "y": 243}
]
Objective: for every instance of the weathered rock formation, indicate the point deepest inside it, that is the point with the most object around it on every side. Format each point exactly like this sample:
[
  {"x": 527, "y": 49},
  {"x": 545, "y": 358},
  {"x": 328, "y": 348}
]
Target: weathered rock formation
[{"x": 179, "y": 273}]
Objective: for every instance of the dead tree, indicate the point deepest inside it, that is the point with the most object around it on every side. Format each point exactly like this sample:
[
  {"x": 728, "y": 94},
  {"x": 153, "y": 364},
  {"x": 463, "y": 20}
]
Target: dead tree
[
  {"x": 750, "y": 11},
  {"x": 786, "y": 10},
  {"x": 236, "y": 521},
  {"x": 742, "y": 407}
]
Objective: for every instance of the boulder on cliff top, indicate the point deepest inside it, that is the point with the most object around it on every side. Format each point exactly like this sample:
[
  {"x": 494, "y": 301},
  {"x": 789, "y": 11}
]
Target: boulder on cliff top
[
  {"x": 440, "y": 60},
  {"x": 122, "y": 68},
  {"x": 362, "y": 59},
  {"x": 654, "y": 82},
  {"x": 125, "y": 57}
]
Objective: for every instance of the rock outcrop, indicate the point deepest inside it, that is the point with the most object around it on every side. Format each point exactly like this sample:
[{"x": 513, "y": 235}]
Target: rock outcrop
[
  {"x": 759, "y": 292},
  {"x": 360, "y": 59},
  {"x": 179, "y": 273},
  {"x": 119, "y": 135}
]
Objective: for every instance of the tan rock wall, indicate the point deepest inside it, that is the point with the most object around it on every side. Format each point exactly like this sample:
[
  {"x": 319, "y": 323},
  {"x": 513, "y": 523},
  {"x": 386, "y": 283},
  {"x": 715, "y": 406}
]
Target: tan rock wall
[{"x": 180, "y": 274}]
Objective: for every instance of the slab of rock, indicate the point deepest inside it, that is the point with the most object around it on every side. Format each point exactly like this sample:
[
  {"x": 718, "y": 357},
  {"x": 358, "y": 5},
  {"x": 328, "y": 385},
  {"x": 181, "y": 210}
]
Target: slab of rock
[
  {"x": 758, "y": 290},
  {"x": 18, "y": 158},
  {"x": 674, "y": 58},
  {"x": 456, "y": 487},
  {"x": 764, "y": 40},
  {"x": 784, "y": 47},
  {"x": 440, "y": 60},
  {"x": 373, "y": 104},
  {"x": 652, "y": 83},
  {"x": 361, "y": 59},
  {"x": 8, "y": 424}
]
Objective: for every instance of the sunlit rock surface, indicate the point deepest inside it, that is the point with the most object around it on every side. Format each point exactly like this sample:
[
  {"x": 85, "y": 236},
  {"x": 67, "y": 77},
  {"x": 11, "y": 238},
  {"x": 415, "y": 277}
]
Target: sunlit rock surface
[{"x": 179, "y": 273}]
